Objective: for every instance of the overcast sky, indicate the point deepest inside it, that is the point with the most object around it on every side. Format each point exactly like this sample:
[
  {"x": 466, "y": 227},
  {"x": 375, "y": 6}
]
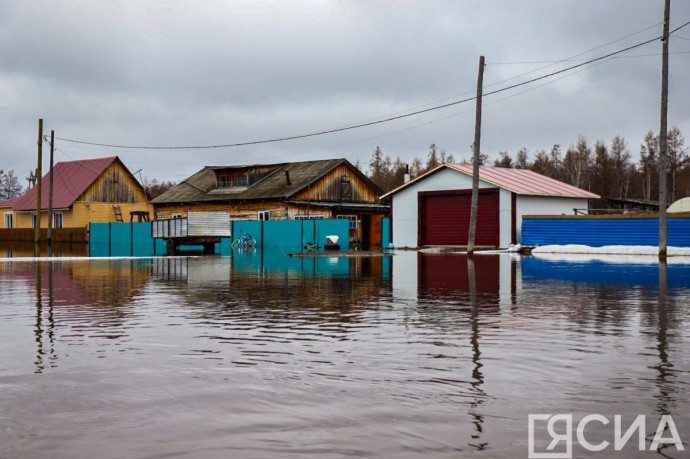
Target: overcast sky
[{"x": 189, "y": 73}]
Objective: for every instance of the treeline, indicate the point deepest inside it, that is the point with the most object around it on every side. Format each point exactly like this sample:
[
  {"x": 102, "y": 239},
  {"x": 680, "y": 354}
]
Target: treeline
[
  {"x": 154, "y": 188},
  {"x": 607, "y": 169}
]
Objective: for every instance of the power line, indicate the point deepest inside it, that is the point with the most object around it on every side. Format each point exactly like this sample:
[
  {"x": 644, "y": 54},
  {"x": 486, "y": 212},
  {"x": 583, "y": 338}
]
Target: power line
[{"x": 372, "y": 123}]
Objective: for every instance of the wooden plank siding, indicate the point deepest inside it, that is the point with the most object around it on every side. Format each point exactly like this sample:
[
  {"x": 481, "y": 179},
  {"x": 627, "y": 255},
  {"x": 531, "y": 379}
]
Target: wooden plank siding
[
  {"x": 84, "y": 213},
  {"x": 28, "y": 235},
  {"x": 329, "y": 188},
  {"x": 115, "y": 185},
  {"x": 247, "y": 210}
]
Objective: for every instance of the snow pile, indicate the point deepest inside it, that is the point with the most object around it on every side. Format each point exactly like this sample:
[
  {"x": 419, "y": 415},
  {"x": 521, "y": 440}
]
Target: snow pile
[
  {"x": 610, "y": 253},
  {"x": 612, "y": 249}
]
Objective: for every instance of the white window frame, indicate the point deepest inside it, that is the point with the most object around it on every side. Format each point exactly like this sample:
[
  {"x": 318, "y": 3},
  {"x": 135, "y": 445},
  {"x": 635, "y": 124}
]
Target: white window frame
[
  {"x": 9, "y": 220},
  {"x": 58, "y": 217},
  {"x": 353, "y": 220},
  {"x": 310, "y": 217},
  {"x": 263, "y": 215}
]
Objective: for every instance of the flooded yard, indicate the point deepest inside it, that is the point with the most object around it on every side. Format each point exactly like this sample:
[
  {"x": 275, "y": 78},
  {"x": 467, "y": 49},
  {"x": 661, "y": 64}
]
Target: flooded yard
[{"x": 410, "y": 356}]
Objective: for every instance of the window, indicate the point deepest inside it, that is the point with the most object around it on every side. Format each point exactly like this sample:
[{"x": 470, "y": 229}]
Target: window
[
  {"x": 9, "y": 220},
  {"x": 264, "y": 215},
  {"x": 33, "y": 220},
  {"x": 239, "y": 181},
  {"x": 352, "y": 218},
  {"x": 57, "y": 220},
  {"x": 309, "y": 217}
]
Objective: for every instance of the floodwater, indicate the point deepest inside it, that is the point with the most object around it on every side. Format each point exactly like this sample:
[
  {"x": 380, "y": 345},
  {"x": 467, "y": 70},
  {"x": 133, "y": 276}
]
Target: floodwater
[{"x": 410, "y": 356}]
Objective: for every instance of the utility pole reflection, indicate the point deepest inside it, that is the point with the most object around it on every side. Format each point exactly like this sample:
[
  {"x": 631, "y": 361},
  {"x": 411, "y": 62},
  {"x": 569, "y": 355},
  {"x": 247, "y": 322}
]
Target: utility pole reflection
[
  {"x": 38, "y": 329},
  {"x": 477, "y": 375}
]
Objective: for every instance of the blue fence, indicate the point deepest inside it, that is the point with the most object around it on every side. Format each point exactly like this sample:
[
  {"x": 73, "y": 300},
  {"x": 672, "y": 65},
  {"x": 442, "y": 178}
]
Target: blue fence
[
  {"x": 598, "y": 232},
  {"x": 123, "y": 240},
  {"x": 134, "y": 239}
]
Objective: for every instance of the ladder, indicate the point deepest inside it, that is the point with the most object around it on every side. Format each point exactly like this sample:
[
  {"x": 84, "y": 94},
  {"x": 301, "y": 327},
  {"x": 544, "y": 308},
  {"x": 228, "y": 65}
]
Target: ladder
[{"x": 118, "y": 213}]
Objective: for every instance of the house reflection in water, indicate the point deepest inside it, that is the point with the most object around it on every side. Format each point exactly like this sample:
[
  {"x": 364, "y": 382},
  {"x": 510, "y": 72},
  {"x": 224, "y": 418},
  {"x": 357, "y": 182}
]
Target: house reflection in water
[
  {"x": 445, "y": 277},
  {"x": 79, "y": 300},
  {"x": 260, "y": 281}
]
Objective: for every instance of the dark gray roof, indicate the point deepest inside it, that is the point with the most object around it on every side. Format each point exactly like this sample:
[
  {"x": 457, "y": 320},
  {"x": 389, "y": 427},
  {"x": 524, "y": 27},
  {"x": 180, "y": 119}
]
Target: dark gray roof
[{"x": 201, "y": 187}]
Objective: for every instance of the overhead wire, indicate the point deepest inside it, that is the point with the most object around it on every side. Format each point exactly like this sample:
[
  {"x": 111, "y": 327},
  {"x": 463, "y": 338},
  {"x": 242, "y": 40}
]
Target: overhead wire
[{"x": 379, "y": 121}]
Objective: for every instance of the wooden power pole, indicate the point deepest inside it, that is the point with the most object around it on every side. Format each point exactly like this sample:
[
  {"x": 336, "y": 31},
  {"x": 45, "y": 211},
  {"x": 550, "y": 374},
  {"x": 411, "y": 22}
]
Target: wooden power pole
[
  {"x": 50, "y": 194},
  {"x": 37, "y": 226},
  {"x": 663, "y": 131},
  {"x": 475, "y": 161}
]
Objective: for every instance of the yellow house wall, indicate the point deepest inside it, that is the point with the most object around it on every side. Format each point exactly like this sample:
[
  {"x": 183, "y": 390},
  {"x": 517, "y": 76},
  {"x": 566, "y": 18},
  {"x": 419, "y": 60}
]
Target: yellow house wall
[
  {"x": 3, "y": 211},
  {"x": 81, "y": 214},
  {"x": 91, "y": 212}
]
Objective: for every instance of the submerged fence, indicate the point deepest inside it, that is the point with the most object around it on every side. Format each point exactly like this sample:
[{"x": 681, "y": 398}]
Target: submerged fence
[{"x": 135, "y": 239}]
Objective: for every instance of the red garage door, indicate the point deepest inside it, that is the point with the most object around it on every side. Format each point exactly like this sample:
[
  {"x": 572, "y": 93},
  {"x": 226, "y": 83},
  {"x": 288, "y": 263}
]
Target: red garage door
[{"x": 444, "y": 217}]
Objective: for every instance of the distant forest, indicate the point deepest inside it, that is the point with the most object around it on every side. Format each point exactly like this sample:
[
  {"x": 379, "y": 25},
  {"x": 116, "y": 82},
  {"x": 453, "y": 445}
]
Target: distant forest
[{"x": 610, "y": 170}]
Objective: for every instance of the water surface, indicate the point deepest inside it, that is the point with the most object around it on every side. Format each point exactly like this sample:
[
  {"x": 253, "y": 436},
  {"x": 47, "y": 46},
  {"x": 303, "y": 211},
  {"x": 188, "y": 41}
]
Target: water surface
[{"x": 411, "y": 356}]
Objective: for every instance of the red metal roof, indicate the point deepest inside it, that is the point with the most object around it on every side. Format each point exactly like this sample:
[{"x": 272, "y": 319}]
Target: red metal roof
[
  {"x": 72, "y": 179},
  {"x": 519, "y": 181},
  {"x": 523, "y": 181},
  {"x": 10, "y": 202}
]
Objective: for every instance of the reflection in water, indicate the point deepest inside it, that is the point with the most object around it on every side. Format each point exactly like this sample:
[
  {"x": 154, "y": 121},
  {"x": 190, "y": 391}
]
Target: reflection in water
[
  {"x": 418, "y": 355},
  {"x": 477, "y": 376}
]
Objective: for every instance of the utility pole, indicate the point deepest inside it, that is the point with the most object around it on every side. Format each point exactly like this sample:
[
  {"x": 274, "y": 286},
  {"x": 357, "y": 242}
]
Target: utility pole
[
  {"x": 37, "y": 226},
  {"x": 663, "y": 131},
  {"x": 50, "y": 195},
  {"x": 475, "y": 161}
]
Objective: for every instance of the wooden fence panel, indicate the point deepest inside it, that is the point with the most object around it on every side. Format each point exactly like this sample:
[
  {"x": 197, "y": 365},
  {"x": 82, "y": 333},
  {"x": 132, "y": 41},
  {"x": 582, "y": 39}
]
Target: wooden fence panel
[{"x": 28, "y": 235}]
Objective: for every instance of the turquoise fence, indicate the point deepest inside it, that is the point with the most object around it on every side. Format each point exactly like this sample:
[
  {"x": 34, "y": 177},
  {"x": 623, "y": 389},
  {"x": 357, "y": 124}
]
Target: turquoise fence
[
  {"x": 123, "y": 240},
  {"x": 386, "y": 236},
  {"x": 134, "y": 239}
]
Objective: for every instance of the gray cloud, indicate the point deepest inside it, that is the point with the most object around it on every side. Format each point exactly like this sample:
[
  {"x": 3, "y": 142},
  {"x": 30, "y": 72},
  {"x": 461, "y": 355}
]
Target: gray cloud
[{"x": 216, "y": 72}]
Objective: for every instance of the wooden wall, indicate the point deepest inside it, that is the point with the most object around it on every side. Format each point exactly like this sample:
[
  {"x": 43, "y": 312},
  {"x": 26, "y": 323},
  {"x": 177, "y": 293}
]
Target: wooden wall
[
  {"x": 117, "y": 185},
  {"x": 245, "y": 210},
  {"x": 329, "y": 188},
  {"x": 101, "y": 212},
  {"x": 28, "y": 235}
]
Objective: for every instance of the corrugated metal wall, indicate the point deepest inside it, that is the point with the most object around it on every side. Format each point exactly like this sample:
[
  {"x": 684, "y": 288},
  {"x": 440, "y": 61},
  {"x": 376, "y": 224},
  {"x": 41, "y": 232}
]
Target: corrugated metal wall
[
  {"x": 135, "y": 239},
  {"x": 598, "y": 232}
]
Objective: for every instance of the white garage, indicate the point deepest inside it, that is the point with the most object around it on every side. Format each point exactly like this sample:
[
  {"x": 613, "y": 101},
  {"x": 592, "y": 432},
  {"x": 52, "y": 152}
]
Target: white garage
[{"x": 434, "y": 209}]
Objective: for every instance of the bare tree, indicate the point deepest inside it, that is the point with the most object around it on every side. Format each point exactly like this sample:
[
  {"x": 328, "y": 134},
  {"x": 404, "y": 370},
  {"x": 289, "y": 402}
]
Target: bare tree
[
  {"x": 9, "y": 185},
  {"x": 577, "y": 163},
  {"x": 522, "y": 159},
  {"x": 677, "y": 157},
  {"x": 648, "y": 159},
  {"x": 601, "y": 168},
  {"x": 432, "y": 160},
  {"x": 503, "y": 160},
  {"x": 416, "y": 168},
  {"x": 621, "y": 166}
]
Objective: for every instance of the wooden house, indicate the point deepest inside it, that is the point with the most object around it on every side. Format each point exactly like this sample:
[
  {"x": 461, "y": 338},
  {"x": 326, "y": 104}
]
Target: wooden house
[
  {"x": 331, "y": 188},
  {"x": 84, "y": 191}
]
